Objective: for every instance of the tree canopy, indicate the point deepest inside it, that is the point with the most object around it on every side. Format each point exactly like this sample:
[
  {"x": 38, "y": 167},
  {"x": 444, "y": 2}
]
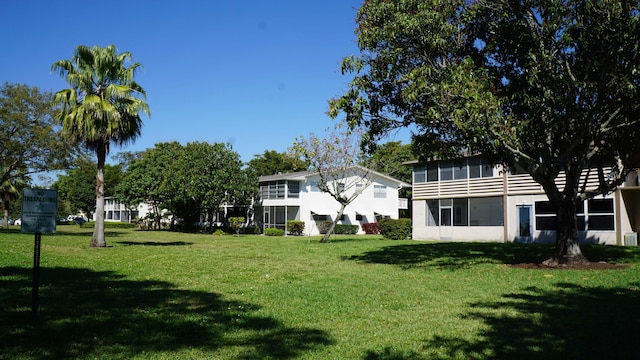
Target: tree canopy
[
  {"x": 30, "y": 140},
  {"x": 102, "y": 107},
  {"x": 272, "y": 162},
  {"x": 551, "y": 86}
]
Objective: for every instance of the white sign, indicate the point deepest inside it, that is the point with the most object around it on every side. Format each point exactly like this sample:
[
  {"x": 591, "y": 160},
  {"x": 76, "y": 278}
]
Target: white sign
[{"x": 39, "y": 209}]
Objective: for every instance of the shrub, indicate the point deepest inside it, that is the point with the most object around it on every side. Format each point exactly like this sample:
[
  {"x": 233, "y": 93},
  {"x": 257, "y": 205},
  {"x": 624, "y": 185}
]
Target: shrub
[
  {"x": 108, "y": 225},
  {"x": 395, "y": 229},
  {"x": 236, "y": 223},
  {"x": 345, "y": 229},
  {"x": 295, "y": 227},
  {"x": 273, "y": 232},
  {"x": 371, "y": 228},
  {"x": 219, "y": 232}
]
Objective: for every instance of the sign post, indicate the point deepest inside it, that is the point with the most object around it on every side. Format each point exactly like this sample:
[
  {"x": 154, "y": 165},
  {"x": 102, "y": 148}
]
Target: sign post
[{"x": 39, "y": 208}]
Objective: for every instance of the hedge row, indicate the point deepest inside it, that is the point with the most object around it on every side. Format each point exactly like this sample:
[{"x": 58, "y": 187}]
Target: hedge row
[
  {"x": 273, "y": 232},
  {"x": 109, "y": 225},
  {"x": 323, "y": 227}
]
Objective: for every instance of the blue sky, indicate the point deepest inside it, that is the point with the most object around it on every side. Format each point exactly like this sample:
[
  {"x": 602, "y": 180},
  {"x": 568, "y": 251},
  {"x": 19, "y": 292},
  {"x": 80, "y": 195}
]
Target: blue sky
[{"x": 256, "y": 74}]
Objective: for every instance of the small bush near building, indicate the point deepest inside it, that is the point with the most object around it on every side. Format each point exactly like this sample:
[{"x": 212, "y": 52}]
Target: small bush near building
[
  {"x": 273, "y": 232},
  {"x": 219, "y": 232},
  {"x": 295, "y": 227},
  {"x": 345, "y": 229},
  {"x": 371, "y": 228},
  {"x": 395, "y": 229},
  {"x": 236, "y": 223}
]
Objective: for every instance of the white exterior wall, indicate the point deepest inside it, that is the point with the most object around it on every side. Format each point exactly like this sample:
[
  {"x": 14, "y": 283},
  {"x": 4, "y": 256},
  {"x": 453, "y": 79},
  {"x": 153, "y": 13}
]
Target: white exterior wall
[{"x": 322, "y": 203}]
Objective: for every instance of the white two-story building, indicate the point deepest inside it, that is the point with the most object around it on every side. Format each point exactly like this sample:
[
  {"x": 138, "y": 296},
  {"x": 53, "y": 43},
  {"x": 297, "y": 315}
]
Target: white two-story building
[
  {"x": 296, "y": 196},
  {"x": 473, "y": 201}
]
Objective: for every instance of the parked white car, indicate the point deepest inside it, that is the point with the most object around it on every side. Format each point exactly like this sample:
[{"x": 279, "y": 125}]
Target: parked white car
[{"x": 18, "y": 222}]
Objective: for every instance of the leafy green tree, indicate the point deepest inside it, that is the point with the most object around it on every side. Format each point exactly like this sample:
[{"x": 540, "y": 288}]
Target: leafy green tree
[
  {"x": 272, "y": 162},
  {"x": 388, "y": 158},
  {"x": 206, "y": 176},
  {"x": 146, "y": 178},
  {"x": 8, "y": 194},
  {"x": 551, "y": 86},
  {"x": 76, "y": 186},
  {"x": 102, "y": 107},
  {"x": 30, "y": 141}
]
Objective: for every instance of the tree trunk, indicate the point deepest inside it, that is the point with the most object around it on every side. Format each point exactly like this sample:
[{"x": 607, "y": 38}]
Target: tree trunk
[
  {"x": 567, "y": 249},
  {"x": 97, "y": 240},
  {"x": 5, "y": 221},
  {"x": 326, "y": 236}
]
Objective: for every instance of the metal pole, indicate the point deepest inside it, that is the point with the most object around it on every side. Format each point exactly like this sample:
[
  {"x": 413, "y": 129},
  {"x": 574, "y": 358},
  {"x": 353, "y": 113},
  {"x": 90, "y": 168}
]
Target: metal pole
[{"x": 36, "y": 276}]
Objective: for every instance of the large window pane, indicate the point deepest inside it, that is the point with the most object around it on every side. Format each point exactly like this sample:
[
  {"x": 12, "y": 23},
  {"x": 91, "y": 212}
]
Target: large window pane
[
  {"x": 486, "y": 211},
  {"x": 432, "y": 172},
  {"x": 460, "y": 170},
  {"x": 433, "y": 218},
  {"x": 293, "y": 189},
  {"x": 474, "y": 168},
  {"x": 419, "y": 175},
  {"x": 446, "y": 170},
  {"x": 600, "y": 206},
  {"x": 460, "y": 212}
]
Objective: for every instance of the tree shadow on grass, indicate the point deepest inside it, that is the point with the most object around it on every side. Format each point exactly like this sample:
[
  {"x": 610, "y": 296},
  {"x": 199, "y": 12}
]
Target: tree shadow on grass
[
  {"x": 154, "y": 243},
  {"x": 565, "y": 322},
  {"x": 88, "y": 314},
  {"x": 456, "y": 255}
]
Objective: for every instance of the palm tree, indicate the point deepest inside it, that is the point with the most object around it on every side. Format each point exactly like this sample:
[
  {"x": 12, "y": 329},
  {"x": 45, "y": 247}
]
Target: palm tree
[{"x": 101, "y": 107}]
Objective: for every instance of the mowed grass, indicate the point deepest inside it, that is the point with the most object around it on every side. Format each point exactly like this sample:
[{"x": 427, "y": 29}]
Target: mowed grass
[{"x": 163, "y": 295}]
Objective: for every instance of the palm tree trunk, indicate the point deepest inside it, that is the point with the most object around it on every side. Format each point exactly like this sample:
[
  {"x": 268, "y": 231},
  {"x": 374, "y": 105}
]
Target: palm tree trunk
[{"x": 97, "y": 240}]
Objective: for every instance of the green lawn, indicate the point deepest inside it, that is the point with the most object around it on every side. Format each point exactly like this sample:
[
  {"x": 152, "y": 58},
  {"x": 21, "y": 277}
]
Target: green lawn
[{"x": 162, "y": 295}]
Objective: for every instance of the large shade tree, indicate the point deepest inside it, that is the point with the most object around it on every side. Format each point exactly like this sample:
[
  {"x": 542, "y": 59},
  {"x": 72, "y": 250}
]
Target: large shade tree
[
  {"x": 147, "y": 177},
  {"x": 103, "y": 106},
  {"x": 30, "y": 140},
  {"x": 205, "y": 177},
  {"x": 550, "y": 86}
]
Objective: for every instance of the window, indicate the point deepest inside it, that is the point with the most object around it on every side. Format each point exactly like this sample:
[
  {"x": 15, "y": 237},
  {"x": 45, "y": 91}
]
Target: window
[
  {"x": 487, "y": 211},
  {"x": 432, "y": 172},
  {"x": 419, "y": 173},
  {"x": 379, "y": 191},
  {"x": 433, "y": 218},
  {"x": 272, "y": 190},
  {"x": 545, "y": 215},
  {"x": 600, "y": 214},
  {"x": 478, "y": 168},
  {"x": 446, "y": 170},
  {"x": 460, "y": 170},
  {"x": 460, "y": 212},
  {"x": 293, "y": 189}
]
